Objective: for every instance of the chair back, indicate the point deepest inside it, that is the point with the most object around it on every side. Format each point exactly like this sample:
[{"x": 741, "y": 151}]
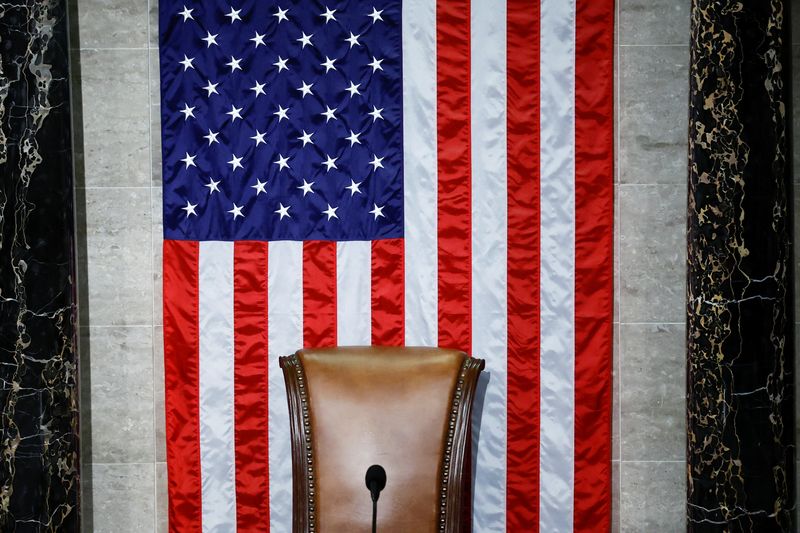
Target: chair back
[{"x": 406, "y": 409}]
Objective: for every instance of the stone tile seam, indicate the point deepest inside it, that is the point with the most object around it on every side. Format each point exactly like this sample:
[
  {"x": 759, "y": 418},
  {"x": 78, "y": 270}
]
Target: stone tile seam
[
  {"x": 652, "y": 184},
  {"x": 653, "y": 323},
  {"x": 90, "y": 326},
  {"x": 154, "y": 267},
  {"x": 149, "y": 463},
  {"x": 652, "y": 45},
  {"x": 112, "y": 49},
  {"x": 112, "y": 187},
  {"x": 634, "y": 461}
]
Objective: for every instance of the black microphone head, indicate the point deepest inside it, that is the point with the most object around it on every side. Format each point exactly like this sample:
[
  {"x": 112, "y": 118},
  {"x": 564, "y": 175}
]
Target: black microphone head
[{"x": 375, "y": 479}]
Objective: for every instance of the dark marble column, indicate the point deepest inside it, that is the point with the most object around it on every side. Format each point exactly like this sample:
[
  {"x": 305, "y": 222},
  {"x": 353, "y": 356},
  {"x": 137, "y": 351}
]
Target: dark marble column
[
  {"x": 38, "y": 360},
  {"x": 740, "y": 356}
]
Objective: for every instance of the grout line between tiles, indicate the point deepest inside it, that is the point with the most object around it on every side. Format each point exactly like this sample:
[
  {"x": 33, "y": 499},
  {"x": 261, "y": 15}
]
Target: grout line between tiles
[{"x": 153, "y": 351}]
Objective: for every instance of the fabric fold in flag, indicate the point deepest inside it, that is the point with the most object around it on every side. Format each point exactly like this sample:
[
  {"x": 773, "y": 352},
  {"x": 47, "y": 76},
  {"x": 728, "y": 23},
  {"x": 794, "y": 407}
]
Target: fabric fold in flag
[{"x": 416, "y": 172}]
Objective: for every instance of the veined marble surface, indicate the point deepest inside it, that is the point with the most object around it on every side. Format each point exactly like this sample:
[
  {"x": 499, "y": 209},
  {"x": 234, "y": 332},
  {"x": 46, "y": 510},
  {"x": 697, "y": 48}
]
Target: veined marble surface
[
  {"x": 38, "y": 360},
  {"x": 740, "y": 365}
]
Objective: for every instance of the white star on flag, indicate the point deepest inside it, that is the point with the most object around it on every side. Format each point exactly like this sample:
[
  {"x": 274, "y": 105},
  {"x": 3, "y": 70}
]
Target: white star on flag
[
  {"x": 234, "y": 64},
  {"x": 375, "y": 15},
  {"x": 281, "y": 64},
  {"x": 211, "y": 88},
  {"x": 376, "y": 113},
  {"x": 353, "y": 40},
  {"x": 331, "y": 212},
  {"x": 306, "y": 187},
  {"x": 377, "y": 211},
  {"x": 210, "y": 39},
  {"x": 236, "y": 211},
  {"x": 187, "y": 62},
  {"x": 330, "y": 163},
  {"x": 258, "y": 88},
  {"x": 305, "y": 39},
  {"x": 186, "y": 14},
  {"x": 212, "y": 137},
  {"x": 283, "y": 210},
  {"x": 189, "y": 209},
  {"x": 376, "y": 162},
  {"x": 328, "y": 64},
  {"x": 353, "y": 89},
  {"x": 328, "y": 14},
  {"x": 376, "y": 64},
  {"x": 306, "y": 138},
  {"x": 259, "y": 187},
  {"x": 234, "y": 15},
  {"x": 353, "y": 187},
  {"x": 329, "y": 114},
  {"x": 305, "y": 89},
  {"x": 258, "y": 39},
  {"x": 234, "y": 113},
  {"x": 281, "y": 112},
  {"x": 259, "y": 138},
  {"x": 189, "y": 160},
  {"x": 187, "y": 112},
  {"x": 282, "y": 162},
  {"x": 212, "y": 186},
  {"x": 235, "y": 162},
  {"x": 281, "y": 14}
]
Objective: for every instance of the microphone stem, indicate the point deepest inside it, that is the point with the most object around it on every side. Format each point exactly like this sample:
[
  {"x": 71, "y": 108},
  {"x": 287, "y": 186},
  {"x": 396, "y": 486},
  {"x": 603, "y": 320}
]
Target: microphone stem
[{"x": 374, "y": 515}]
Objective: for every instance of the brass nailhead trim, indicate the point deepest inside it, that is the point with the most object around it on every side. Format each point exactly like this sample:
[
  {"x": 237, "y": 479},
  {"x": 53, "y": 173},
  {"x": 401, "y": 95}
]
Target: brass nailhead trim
[
  {"x": 309, "y": 451},
  {"x": 448, "y": 451}
]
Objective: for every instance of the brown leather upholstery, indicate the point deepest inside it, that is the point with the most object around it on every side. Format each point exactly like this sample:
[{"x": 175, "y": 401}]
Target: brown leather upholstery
[{"x": 354, "y": 407}]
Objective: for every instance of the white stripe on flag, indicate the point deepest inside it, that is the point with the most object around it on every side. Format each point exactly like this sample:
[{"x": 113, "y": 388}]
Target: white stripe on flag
[
  {"x": 285, "y": 331},
  {"x": 420, "y": 182},
  {"x": 557, "y": 364},
  {"x": 217, "y": 455},
  {"x": 489, "y": 223},
  {"x": 353, "y": 293}
]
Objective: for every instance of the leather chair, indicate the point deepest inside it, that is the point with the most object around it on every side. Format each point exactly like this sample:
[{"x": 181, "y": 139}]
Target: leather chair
[{"x": 407, "y": 409}]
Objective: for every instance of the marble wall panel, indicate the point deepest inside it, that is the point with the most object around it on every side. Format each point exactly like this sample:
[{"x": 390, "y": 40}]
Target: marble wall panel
[
  {"x": 652, "y": 113},
  {"x": 118, "y": 256},
  {"x": 116, "y": 117},
  {"x": 652, "y": 253},
  {"x": 112, "y": 23},
  {"x": 122, "y": 394},
  {"x": 653, "y": 391},
  {"x": 659, "y": 22},
  {"x": 652, "y": 496},
  {"x": 123, "y": 499}
]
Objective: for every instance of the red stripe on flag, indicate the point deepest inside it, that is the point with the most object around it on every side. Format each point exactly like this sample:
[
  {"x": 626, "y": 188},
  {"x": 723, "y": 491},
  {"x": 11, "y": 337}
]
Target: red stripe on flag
[
  {"x": 251, "y": 385},
  {"x": 594, "y": 226},
  {"x": 319, "y": 293},
  {"x": 455, "y": 173},
  {"x": 388, "y": 303},
  {"x": 522, "y": 476},
  {"x": 181, "y": 384}
]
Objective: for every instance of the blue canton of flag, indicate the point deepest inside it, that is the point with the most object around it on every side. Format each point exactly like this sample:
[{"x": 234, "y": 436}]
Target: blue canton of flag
[{"x": 282, "y": 122}]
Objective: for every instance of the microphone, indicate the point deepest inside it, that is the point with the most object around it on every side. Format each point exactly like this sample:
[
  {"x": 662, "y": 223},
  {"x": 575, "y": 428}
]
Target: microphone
[{"x": 376, "y": 481}]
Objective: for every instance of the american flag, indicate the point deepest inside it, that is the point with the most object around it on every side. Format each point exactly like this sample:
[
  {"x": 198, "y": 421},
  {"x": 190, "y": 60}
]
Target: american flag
[{"x": 424, "y": 172}]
